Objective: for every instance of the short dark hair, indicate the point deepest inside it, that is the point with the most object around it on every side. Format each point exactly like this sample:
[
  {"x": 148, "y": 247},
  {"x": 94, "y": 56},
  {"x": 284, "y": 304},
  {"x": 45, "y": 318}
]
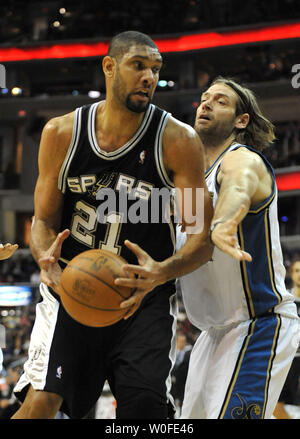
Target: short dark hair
[
  {"x": 259, "y": 132},
  {"x": 121, "y": 43}
]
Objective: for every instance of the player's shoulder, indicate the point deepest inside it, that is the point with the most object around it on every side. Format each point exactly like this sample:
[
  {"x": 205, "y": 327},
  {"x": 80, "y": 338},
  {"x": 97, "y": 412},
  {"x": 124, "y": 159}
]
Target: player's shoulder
[
  {"x": 180, "y": 141},
  {"x": 60, "y": 126},
  {"x": 243, "y": 155},
  {"x": 180, "y": 138},
  {"x": 245, "y": 159},
  {"x": 176, "y": 128},
  {"x": 56, "y": 139}
]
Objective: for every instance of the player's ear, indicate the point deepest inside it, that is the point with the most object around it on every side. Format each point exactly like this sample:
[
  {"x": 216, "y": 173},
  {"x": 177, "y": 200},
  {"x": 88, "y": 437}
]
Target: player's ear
[
  {"x": 108, "y": 66},
  {"x": 242, "y": 121}
]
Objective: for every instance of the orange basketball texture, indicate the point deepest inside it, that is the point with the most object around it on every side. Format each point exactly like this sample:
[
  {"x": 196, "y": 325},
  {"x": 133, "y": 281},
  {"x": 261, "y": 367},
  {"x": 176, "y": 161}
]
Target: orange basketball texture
[{"x": 87, "y": 288}]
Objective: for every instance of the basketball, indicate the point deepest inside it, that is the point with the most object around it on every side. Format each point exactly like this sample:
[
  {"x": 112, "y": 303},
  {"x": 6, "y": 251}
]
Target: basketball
[{"x": 87, "y": 288}]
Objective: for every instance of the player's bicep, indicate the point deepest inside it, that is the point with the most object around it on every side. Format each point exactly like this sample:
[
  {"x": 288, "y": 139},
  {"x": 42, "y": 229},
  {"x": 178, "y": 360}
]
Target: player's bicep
[
  {"x": 241, "y": 170},
  {"x": 47, "y": 196},
  {"x": 185, "y": 157}
]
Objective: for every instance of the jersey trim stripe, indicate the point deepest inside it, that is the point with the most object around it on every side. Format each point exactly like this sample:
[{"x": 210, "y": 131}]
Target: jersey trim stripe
[
  {"x": 125, "y": 148},
  {"x": 158, "y": 150},
  {"x": 258, "y": 276},
  {"x": 216, "y": 162},
  {"x": 269, "y": 254},
  {"x": 272, "y": 357},
  {"x": 265, "y": 204},
  {"x": 172, "y": 352},
  {"x": 63, "y": 173},
  {"x": 244, "y": 275},
  {"x": 173, "y": 235},
  {"x": 249, "y": 359},
  {"x": 237, "y": 369}
]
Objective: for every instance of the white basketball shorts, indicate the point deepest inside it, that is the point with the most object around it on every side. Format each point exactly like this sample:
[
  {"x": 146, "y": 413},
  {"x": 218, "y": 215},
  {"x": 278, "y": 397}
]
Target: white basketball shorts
[{"x": 238, "y": 371}]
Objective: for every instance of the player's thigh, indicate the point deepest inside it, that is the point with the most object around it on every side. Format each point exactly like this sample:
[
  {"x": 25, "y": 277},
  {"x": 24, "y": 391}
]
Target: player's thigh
[
  {"x": 144, "y": 356},
  {"x": 39, "y": 405}
]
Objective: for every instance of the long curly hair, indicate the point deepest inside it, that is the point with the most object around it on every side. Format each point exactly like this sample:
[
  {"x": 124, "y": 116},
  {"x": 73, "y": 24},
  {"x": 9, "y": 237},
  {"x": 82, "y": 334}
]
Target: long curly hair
[{"x": 259, "y": 132}]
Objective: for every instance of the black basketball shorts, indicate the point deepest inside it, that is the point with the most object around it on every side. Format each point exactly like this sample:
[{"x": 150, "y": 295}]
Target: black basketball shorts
[{"x": 135, "y": 356}]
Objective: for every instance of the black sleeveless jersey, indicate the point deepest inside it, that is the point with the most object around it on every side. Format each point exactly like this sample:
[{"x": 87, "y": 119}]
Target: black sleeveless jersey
[{"x": 113, "y": 196}]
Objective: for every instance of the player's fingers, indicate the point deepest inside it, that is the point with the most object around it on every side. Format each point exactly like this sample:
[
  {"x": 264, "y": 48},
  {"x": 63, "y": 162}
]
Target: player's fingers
[
  {"x": 44, "y": 262},
  {"x": 134, "y": 282},
  {"x": 132, "y": 303},
  {"x": 134, "y": 300},
  {"x": 246, "y": 256},
  {"x": 130, "y": 312},
  {"x": 128, "y": 273},
  {"x": 135, "y": 269},
  {"x": 55, "y": 249},
  {"x": 137, "y": 250},
  {"x": 237, "y": 253},
  {"x": 61, "y": 237},
  {"x": 9, "y": 247}
]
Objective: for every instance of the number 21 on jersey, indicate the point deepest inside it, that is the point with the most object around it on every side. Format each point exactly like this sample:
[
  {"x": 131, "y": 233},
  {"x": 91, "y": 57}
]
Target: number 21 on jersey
[{"x": 84, "y": 225}]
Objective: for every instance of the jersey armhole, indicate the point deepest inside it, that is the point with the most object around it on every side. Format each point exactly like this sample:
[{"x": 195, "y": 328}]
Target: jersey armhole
[
  {"x": 63, "y": 173},
  {"x": 158, "y": 152},
  {"x": 264, "y": 203}
]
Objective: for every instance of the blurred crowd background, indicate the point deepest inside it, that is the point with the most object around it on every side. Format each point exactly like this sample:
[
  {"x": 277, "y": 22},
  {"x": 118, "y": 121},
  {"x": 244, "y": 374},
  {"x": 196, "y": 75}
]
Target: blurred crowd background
[{"x": 37, "y": 90}]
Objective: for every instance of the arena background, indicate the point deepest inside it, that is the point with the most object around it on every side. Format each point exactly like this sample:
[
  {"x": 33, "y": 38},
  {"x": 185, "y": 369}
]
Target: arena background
[{"x": 52, "y": 52}]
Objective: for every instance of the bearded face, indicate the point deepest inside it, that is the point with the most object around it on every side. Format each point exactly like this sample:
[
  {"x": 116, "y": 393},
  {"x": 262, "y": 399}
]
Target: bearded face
[
  {"x": 136, "y": 77},
  {"x": 135, "y": 101},
  {"x": 216, "y": 115}
]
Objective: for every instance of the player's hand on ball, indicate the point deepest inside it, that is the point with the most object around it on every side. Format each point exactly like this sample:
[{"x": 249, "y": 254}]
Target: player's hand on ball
[
  {"x": 7, "y": 250},
  {"x": 50, "y": 269},
  {"x": 143, "y": 277}
]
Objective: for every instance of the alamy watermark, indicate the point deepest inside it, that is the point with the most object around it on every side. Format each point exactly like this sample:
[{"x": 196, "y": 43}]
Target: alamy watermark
[
  {"x": 296, "y": 77},
  {"x": 137, "y": 206},
  {"x": 2, "y": 76}
]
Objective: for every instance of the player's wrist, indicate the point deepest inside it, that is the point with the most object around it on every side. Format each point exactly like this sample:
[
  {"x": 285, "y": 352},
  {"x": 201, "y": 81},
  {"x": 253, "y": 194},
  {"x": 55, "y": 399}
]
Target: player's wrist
[
  {"x": 214, "y": 224},
  {"x": 165, "y": 271}
]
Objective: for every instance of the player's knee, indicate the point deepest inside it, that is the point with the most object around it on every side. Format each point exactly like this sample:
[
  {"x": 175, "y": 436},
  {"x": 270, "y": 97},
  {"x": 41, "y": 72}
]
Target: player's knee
[{"x": 141, "y": 404}]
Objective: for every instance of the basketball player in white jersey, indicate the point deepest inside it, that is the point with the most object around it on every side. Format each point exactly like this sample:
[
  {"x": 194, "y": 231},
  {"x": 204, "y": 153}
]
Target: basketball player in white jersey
[
  {"x": 248, "y": 320},
  {"x": 6, "y": 251}
]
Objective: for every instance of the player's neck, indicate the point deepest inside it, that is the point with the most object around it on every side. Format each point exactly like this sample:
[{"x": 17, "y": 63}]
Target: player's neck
[
  {"x": 213, "y": 151},
  {"x": 115, "y": 126}
]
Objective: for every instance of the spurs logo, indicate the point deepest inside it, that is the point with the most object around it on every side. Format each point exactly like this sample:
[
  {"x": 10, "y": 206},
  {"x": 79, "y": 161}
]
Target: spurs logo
[
  {"x": 246, "y": 411},
  {"x": 106, "y": 181}
]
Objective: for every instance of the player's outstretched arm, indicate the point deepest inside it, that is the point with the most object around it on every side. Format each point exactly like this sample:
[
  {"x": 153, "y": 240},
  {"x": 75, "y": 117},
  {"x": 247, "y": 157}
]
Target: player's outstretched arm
[
  {"x": 7, "y": 250},
  {"x": 244, "y": 181}
]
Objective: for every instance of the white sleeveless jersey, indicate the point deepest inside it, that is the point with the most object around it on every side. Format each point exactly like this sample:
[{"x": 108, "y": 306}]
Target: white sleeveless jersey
[{"x": 224, "y": 290}]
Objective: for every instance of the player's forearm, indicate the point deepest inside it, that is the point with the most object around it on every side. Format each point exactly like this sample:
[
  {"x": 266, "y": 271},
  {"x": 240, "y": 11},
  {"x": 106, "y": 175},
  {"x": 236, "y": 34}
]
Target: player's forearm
[
  {"x": 229, "y": 202},
  {"x": 197, "y": 251},
  {"x": 42, "y": 236}
]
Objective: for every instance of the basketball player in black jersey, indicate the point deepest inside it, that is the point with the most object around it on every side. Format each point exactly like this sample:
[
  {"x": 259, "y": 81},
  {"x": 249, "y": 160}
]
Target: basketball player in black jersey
[{"x": 122, "y": 142}]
